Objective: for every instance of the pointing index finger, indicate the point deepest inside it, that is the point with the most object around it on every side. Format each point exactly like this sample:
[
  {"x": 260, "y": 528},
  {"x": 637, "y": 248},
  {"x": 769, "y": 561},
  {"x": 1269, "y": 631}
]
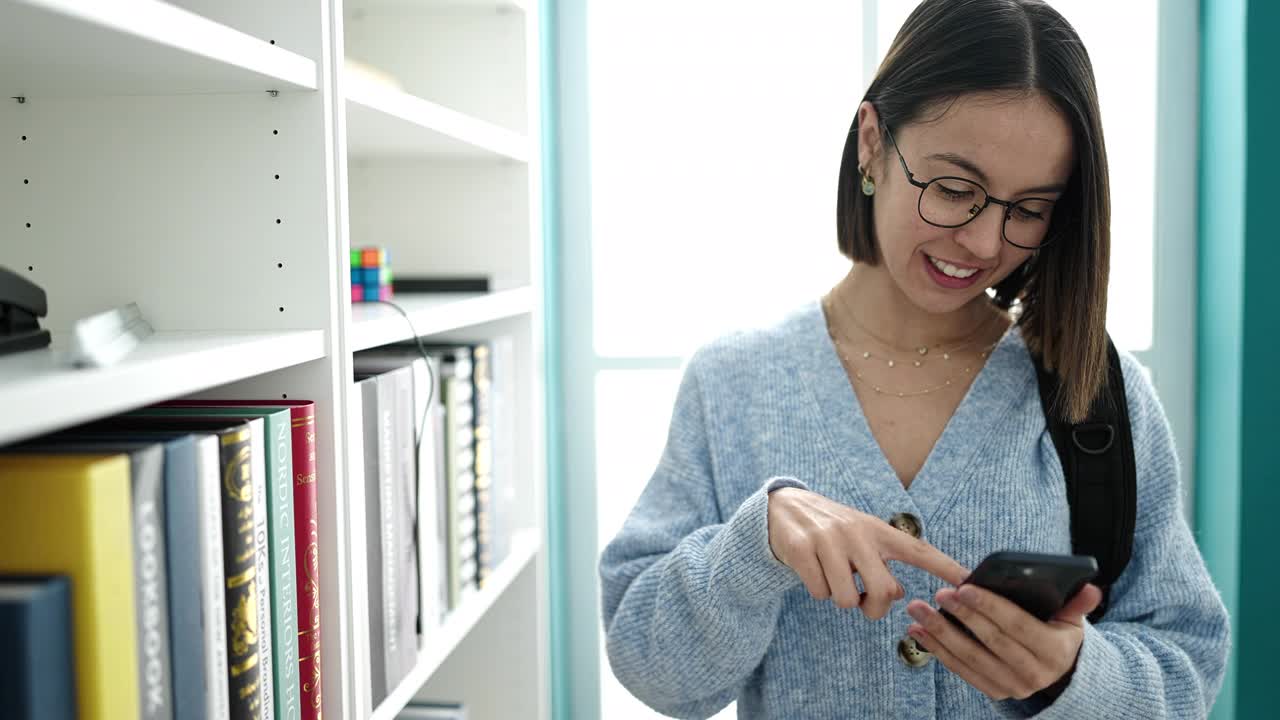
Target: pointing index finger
[{"x": 914, "y": 551}]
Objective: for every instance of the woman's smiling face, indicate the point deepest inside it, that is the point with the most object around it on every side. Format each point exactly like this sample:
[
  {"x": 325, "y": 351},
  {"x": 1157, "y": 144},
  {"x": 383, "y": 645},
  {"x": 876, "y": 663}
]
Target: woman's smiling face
[{"x": 1015, "y": 147}]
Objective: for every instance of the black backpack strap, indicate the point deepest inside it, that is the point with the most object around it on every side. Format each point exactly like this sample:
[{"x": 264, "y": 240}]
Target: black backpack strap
[{"x": 1097, "y": 459}]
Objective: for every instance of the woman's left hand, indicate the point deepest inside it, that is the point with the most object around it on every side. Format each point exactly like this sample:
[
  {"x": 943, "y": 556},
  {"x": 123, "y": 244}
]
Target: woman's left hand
[{"x": 1018, "y": 655}]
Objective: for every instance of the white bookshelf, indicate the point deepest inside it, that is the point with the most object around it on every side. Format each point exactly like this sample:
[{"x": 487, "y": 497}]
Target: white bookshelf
[
  {"x": 52, "y": 394},
  {"x": 460, "y": 624},
  {"x": 209, "y": 161},
  {"x": 374, "y": 324},
  {"x": 389, "y": 123},
  {"x": 136, "y": 47},
  {"x": 442, "y": 168}
]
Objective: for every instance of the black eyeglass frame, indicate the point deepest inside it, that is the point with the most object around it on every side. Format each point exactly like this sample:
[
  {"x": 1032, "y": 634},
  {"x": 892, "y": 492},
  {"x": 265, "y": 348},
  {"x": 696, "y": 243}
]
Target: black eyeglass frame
[{"x": 1008, "y": 205}]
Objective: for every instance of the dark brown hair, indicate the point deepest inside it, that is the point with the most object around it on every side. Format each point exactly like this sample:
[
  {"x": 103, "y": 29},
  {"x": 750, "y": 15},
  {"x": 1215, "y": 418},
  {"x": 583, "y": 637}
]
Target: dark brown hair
[{"x": 950, "y": 48}]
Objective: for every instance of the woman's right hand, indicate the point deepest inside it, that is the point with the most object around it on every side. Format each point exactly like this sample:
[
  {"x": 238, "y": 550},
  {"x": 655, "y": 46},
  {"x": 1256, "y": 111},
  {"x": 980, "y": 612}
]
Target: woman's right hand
[{"x": 825, "y": 543}]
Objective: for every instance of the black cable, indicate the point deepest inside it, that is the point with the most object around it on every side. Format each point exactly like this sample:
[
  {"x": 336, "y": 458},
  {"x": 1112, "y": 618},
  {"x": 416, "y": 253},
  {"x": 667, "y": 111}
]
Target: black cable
[
  {"x": 430, "y": 372},
  {"x": 418, "y": 433}
]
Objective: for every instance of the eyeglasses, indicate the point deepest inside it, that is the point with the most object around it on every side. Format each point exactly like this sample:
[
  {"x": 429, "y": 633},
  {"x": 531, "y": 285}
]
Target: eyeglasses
[{"x": 950, "y": 202}]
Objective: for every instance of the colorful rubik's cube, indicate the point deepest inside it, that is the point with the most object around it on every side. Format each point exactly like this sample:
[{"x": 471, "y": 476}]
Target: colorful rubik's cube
[{"x": 370, "y": 274}]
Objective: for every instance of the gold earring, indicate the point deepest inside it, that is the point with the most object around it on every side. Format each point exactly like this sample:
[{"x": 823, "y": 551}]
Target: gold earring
[{"x": 868, "y": 185}]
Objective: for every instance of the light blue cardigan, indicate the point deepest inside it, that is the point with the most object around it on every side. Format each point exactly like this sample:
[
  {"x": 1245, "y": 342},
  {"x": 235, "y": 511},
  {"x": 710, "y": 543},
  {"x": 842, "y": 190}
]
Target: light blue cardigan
[{"x": 698, "y": 612}]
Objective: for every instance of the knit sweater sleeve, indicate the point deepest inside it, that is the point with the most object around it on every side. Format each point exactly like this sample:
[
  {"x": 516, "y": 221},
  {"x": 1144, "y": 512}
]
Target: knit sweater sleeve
[
  {"x": 1161, "y": 649},
  {"x": 691, "y": 599}
]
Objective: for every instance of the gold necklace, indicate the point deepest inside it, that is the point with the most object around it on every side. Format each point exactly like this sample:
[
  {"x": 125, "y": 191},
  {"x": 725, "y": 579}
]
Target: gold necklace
[
  {"x": 880, "y": 390},
  {"x": 921, "y": 351}
]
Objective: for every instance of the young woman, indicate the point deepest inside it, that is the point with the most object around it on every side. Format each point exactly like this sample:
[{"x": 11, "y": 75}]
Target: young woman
[{"x": 827, "y": 482}]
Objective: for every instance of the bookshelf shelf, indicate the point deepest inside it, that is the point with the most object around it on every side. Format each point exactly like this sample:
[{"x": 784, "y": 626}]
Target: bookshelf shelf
[
  {"x": 39, "y": 392},
  {"x": 110, "y": 47},
  {"x": 376, "y": 324},
  {"x": 524, "y": 551},
  {"x": 144, "y": 160},
  {"x": 527, "y": 6},
  {"x": 386, "y": 122}
]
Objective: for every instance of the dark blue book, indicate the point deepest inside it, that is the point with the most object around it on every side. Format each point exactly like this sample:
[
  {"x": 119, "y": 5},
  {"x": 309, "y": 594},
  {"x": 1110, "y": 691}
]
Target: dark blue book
[{"x": 37, "y": 674}]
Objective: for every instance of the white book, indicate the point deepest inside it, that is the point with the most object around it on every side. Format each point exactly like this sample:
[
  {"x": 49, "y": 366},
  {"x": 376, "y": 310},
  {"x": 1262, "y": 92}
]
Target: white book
[
  {"x": 258, "y": 452},
  {"x": 433, "y": 552},
  {"x": 212, "y": 577},
  {"x": 502, "y": 487}
]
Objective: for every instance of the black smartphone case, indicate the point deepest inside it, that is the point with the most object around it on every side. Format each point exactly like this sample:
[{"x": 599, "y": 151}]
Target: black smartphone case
[{"x": 1039, "y": 583}]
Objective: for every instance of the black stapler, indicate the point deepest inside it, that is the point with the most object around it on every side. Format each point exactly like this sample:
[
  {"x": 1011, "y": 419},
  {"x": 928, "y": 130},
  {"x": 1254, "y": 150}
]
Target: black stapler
[{"x": 22, "y": 303}]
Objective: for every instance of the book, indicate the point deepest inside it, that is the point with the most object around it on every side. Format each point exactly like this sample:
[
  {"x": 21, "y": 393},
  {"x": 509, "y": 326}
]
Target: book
[
  {"x": 503, "y": 500},
  {"x": 189, "y": 653},
  {"x": 431, "y": 544},
  {"x": 244, "y": 629},
  {"x": 306, "y": 540},
  {"x": 146, "y": 468},
  {"x": 375, "y": 433},
  {"x": 37, "y": 669},
  {"x": 150, "y": 568},
  {"x": 212, "y": 577},
  {"x": 456, "y": 391},
  {"x": 247, "y": 617},
  {"x": 70, "y": 514},
  {"x": 390, "y": 508},
  {"x": 482, "y": 418},
  {"x": 399, "y": 503},
  {"x": 278, "y": 458}
]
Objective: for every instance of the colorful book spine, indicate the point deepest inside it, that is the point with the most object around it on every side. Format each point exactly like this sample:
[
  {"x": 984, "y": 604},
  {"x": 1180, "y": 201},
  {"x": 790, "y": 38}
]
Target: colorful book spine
[
  {"x": 70, "y": 514},
  {"x": 306, "y": 546},
  {"x": 262, "y": 544},
  {"x": 284, "y": 574},
  {"x": 241, "y": 569},
  {"x": 271, "y": 440}
]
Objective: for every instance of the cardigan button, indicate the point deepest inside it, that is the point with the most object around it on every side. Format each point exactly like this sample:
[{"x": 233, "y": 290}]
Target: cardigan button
[
  {"x": 911, "y": 654},
  {"x": 907, "y": 523}
]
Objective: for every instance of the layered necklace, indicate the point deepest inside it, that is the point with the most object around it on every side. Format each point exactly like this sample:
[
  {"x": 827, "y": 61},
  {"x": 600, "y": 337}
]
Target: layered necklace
[{"x": 919, "y": 357}]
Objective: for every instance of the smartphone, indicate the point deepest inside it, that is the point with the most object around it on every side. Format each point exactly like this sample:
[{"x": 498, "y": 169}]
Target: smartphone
[{"x": 1039, "y": 583}]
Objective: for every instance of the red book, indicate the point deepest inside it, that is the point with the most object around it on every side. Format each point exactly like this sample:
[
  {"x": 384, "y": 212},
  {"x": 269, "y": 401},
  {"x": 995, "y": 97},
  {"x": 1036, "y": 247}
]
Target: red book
[{"x": 306, "y": 536}]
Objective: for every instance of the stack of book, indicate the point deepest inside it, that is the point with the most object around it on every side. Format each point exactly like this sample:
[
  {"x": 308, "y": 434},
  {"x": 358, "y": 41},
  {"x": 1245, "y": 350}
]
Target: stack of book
[
  {"x": 169, "y": 554},
  {"x": 438, "y": 449},
  {"x": 187, "y": 535}
]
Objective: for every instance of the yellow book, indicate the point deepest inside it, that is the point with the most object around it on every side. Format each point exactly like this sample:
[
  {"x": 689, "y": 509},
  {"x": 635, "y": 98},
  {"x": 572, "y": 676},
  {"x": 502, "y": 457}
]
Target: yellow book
[{"x": 69, "y": 514}]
